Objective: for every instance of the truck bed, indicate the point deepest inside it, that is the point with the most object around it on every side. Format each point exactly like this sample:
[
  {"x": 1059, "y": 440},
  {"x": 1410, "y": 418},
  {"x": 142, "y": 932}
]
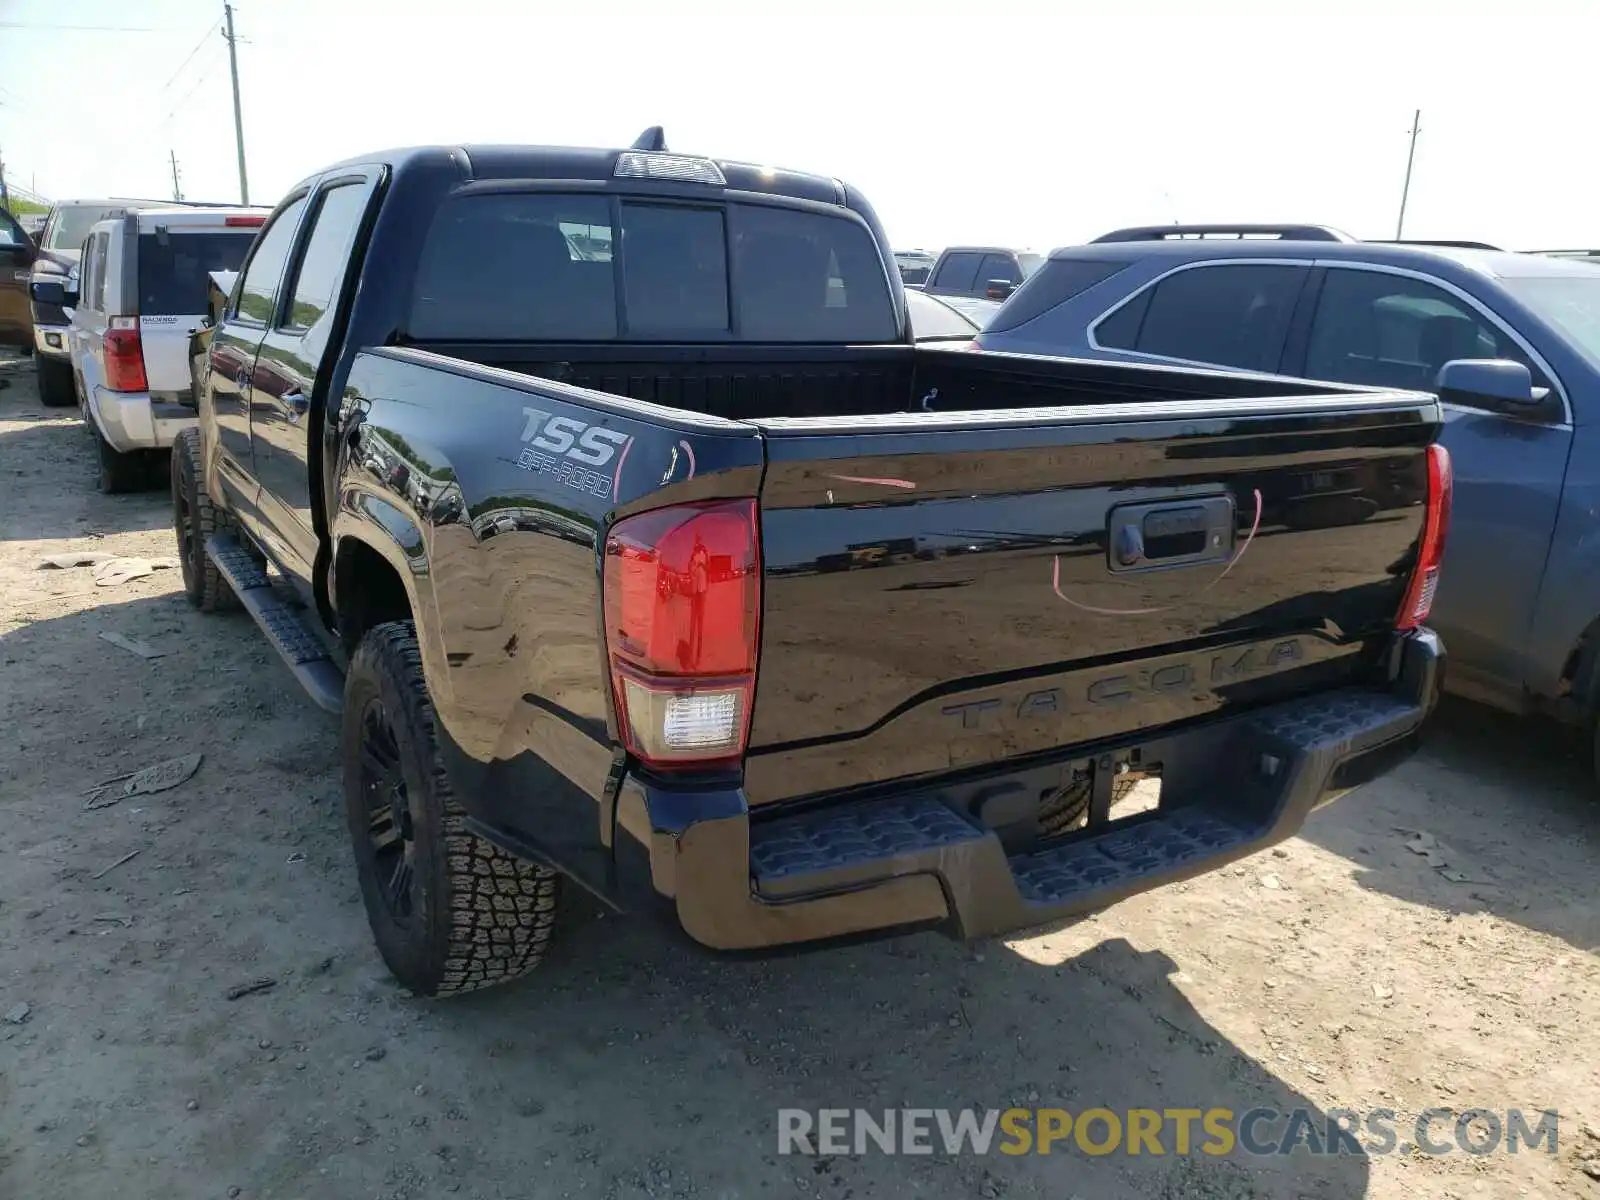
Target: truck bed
[{"x": 745, "y": 382}]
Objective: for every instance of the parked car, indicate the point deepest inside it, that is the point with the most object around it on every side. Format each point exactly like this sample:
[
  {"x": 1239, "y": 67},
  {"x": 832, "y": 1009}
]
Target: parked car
[
  {"x": 975, "y": 308},
  {"x": 914, "y": 266},
  {"x": 33, "y": 223},
  {"x": 144, "y": 277},
  {"x": 60, "y": 246},
  {"x": 1589, "y": 256},
  {"x": 1511, "y": 343},
  {"x": 547, "y": 525},
  {"x": 17, "y": 254},
  {"x": 989, "y": 272}
]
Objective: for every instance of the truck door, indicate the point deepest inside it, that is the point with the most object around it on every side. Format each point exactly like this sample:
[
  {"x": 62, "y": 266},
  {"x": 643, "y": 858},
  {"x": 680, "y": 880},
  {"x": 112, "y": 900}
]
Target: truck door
[
  {"x": 290, "y": 365},
  {"x": 234, "y": 346},
  {"x": 17, "y": 253}
]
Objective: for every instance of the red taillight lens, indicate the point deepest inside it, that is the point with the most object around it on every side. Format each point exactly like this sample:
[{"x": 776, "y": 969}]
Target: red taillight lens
[
  {"x": 1430, "y": 554},
  {"x": 124, "y": 355},
  {"x": 682, "y": 598},
  {"x": 244, "y": 221}
]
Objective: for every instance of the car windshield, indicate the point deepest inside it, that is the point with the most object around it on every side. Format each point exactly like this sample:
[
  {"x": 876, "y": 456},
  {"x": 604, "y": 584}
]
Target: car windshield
[
  {"x": 1569, "y": 302},
  {"x": 69, "y": 226}
]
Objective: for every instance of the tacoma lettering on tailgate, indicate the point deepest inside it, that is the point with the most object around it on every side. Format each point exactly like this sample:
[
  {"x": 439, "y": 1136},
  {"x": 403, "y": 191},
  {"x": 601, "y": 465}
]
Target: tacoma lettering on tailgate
[{"x": 1214, "y": 670}]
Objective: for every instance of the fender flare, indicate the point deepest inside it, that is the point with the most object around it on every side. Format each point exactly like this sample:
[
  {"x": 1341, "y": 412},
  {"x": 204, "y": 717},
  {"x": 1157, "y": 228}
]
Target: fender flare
[{"x": 387, "y": 530}]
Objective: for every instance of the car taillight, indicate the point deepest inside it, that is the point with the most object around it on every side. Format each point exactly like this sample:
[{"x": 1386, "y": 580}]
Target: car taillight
[
  {"x": 682, "y": 600},
  {"x": 124, "y": 355},
  {"x": 1430, "y": 553},
  {"x": 245, "y": 222}
]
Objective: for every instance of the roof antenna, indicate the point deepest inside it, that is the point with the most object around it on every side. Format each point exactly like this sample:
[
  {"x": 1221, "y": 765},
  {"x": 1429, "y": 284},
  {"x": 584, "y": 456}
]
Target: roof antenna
[{"x": 654, "y": 138}]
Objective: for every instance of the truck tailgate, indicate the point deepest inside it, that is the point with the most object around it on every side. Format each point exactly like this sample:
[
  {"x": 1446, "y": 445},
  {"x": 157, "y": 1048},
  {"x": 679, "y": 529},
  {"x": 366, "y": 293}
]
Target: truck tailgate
[{"x": 947, "y": 591}]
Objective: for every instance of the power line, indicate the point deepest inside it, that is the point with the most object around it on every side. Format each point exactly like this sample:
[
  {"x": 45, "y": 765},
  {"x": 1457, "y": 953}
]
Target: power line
[
  {"x": 84, "y": 28},
  {"x": 193, "y": 88},
  {"x": 197, "y": 48}
]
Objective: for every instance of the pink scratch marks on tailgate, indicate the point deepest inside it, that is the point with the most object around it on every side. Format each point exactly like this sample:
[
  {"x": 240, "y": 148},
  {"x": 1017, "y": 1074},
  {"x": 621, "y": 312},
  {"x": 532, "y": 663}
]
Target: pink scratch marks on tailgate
[
  {"x": 1055, "y": 578},
  {"x": 905, "y": 484}
]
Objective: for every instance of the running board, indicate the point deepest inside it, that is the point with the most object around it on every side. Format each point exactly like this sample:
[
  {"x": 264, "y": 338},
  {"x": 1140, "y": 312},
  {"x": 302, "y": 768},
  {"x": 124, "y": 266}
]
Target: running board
[{"x": 299, "y": 645}]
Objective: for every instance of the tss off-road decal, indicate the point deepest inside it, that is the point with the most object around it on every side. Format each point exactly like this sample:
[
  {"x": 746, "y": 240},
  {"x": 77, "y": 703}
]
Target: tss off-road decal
[{"x": 566, "y": 448}]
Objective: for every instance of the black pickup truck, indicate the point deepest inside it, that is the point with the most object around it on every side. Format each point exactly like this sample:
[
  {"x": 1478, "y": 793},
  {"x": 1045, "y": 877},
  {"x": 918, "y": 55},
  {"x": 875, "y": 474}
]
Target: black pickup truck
[{"x": 606, "y": 497}]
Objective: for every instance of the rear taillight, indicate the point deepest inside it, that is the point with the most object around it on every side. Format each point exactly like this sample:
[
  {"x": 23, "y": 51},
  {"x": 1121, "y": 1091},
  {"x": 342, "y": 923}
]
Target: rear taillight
[
  {"x": 124, "y": 355},
  {"x": 245, "y": 221},
  {"x": 682, "y": 597},
  {"x": 1430, "y": 553}
]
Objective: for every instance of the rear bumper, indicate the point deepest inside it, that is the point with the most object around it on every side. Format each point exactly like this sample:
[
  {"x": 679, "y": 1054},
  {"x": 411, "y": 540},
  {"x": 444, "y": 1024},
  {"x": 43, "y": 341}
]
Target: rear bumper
[
  {"x": 1230, "y": 788},
  {"x": 133, "y": 421}
]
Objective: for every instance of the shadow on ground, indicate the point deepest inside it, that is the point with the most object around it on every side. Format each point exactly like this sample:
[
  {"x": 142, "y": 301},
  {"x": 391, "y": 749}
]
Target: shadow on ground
[
  {"x": 627, "y": 1057},
  {"x": 1510, "y": 802},
  {"x": 720, "y": 1046}
]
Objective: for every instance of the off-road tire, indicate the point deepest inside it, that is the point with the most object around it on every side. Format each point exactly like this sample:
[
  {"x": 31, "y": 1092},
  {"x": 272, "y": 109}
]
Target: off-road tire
[
  {"x": 1069, "y": 809},
  {"x": 481, "y": 916},
  {"x": 56, "y": 386},
  {"x": 194, "y": 519}
]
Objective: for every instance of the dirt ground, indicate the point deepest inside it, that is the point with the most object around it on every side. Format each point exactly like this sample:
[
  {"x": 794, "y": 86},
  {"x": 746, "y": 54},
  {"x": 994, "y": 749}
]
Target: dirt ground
[{"x": 1343, "y": 970}]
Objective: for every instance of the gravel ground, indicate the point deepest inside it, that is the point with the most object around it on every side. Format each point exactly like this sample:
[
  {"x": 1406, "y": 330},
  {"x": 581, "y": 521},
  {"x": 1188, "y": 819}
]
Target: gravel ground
[{"x": 1342, "y": 970}]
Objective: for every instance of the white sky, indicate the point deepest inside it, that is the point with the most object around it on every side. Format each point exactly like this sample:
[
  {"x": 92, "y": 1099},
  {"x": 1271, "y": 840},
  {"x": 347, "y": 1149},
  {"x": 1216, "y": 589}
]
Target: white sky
[{"x": 1006, "y": 121}]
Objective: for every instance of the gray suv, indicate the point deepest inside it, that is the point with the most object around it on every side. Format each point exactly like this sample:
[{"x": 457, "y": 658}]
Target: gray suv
[{"x": 1509, "y": 342}]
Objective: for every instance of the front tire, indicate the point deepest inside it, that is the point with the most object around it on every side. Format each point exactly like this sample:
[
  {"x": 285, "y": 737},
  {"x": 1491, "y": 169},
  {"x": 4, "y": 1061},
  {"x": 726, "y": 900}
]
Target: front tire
[
  {"x": 450, "y": 912},
  {"x": 194, "y": 519},
  {"x": 56, "y": 386}
]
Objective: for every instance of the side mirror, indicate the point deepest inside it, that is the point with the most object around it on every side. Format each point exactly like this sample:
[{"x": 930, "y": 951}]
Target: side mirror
[
  {"x": 999, "y": 289},
  {"x": 49, "y": 292},
  {"x": 1486, "y": 383}
]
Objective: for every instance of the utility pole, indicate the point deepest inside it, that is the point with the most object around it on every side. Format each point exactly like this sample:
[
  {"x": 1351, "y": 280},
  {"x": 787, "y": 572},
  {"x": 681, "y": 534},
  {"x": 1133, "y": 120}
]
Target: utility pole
[
  {"x": 238, "y": 116},
  {"x": 177, "y": 193},
  {"x": 1416, "y": 128}
]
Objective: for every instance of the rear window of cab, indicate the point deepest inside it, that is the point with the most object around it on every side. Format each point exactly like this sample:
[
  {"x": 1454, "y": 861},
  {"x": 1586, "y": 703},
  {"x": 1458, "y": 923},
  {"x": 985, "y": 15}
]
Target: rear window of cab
[{"x": 573, "y": 267}]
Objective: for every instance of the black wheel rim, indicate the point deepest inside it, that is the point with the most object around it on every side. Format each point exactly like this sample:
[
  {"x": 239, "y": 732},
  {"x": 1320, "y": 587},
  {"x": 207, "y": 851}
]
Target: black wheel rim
[{"x": 391, "y": 841}]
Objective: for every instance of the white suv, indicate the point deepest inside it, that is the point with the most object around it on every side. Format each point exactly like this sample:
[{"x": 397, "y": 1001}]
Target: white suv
[{"x": 142, "y": 292}]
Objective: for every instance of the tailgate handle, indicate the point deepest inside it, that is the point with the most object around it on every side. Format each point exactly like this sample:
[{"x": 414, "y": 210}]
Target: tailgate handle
[{"x": 1168, "y": 534}]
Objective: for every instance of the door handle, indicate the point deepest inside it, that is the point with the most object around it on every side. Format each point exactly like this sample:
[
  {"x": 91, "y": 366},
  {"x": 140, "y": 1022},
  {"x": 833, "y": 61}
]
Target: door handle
[{"x": 296, "y": 403}]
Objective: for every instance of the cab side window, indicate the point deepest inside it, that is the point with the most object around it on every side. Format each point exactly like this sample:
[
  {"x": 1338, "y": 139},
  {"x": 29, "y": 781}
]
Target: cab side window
[
  {"x": 258, "y": 291},
  {"x": 1393, "y": 331},
  {"x": 999, "y": 266}
]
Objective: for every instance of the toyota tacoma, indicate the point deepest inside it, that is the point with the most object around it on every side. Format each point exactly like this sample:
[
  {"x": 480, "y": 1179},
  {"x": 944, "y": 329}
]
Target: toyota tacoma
[{"x": 607, "y": 499}]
